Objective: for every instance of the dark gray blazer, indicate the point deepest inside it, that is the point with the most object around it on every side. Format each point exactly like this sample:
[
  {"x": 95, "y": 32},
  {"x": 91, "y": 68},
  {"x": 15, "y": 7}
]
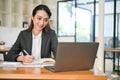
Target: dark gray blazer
[{"x": 49, "y": 44}]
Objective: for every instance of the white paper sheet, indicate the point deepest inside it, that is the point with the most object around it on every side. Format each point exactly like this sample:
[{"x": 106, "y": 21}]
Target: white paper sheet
[{"x": 38, "y": 63}]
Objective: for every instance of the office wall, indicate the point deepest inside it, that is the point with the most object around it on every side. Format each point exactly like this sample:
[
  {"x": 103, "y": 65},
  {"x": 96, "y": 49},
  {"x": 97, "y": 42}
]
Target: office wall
[{"x": 9, "y": 35}]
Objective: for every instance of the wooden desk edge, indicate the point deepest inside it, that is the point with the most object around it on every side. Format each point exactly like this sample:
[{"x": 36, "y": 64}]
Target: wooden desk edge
[
  {"x": 4, "y": 50},
  {"x": 36, "y": 76},
  {"x": 112, "y": 50}
]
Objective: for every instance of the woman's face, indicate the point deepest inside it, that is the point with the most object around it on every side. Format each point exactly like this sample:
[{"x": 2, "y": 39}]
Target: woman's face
[{"x": 40, "y": 20}]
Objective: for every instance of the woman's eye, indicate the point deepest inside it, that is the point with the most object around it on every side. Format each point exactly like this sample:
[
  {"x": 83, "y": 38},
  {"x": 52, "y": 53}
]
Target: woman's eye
[
  {"x": 39, "y": 18},
  {"x": 46, "y": 20}
]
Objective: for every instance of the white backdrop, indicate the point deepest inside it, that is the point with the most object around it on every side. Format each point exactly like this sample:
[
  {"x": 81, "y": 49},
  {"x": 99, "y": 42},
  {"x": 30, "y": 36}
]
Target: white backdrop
[{"x": 9, "y": 35}]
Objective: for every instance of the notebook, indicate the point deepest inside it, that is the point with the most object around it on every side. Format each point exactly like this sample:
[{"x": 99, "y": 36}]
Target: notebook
[{"x": 75, "y": 56}]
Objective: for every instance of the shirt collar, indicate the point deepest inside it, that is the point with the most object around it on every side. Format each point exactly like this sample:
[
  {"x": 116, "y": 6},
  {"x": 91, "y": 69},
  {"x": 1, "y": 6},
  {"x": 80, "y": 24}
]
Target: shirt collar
[{"x": 38, "y": 36}]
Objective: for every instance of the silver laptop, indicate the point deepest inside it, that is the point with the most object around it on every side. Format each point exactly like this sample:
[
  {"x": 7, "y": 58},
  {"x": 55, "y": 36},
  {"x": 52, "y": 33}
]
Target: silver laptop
[{"x": 75, "y": 56}]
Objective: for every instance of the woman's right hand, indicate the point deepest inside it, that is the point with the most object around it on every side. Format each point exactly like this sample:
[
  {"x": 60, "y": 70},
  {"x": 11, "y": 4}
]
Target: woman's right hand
[{"x": 25, "y": 59}]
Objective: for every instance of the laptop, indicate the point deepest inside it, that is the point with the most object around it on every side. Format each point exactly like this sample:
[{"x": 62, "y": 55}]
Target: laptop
[{"x": 74, "y": 56}]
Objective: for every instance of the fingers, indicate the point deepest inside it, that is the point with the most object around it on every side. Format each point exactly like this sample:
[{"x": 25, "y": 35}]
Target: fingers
[{"x": 28, "y": 59}]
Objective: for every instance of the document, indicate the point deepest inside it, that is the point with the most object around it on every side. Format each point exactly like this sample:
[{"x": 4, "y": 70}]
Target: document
[
  {"x": 1, "y": 57},
  {"x": 42, "y": 61},
  {"x": 10, "y": 64},
  {"x": 37, "y": 63}
]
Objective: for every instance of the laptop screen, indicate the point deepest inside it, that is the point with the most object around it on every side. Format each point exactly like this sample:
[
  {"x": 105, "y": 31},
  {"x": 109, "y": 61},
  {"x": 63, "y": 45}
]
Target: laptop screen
[{"x": 76, "y": 56}]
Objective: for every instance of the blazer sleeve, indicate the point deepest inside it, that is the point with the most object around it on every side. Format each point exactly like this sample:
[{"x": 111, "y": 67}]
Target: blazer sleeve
[
  {"x": 14, "y": 51},
  {"x": 54, "y": 43}
]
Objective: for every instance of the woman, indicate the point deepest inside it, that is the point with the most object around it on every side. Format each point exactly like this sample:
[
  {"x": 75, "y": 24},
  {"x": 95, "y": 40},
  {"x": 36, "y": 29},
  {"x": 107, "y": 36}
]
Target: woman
[{"x": 38, "y": 41}]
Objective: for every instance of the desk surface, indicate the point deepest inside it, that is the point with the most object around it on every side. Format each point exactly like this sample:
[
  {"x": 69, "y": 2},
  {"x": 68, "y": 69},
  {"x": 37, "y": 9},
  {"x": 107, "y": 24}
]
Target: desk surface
[
  {"x": 4, "y": 50},
  {"x": 42, "y": 73},
  {"x": 112, "y": 50}
]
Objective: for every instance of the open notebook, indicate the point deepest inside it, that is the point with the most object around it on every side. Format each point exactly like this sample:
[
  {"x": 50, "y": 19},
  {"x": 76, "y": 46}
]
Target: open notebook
[
  {"x": 41, "y": 61},
  {"x": 37, "y": 63},
  {"x": 75, "y": 56}
]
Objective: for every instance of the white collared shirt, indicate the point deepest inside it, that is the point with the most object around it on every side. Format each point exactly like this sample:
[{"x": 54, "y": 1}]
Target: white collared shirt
[{"x": 36, "y": 46}]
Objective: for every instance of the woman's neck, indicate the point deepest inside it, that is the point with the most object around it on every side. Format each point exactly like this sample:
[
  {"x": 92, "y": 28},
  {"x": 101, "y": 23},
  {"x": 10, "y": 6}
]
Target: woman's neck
[{"x": 35, "y": 32}]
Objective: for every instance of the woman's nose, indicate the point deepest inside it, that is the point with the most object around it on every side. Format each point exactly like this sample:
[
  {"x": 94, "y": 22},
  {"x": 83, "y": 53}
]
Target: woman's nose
[{"x": 41, "y": 22}]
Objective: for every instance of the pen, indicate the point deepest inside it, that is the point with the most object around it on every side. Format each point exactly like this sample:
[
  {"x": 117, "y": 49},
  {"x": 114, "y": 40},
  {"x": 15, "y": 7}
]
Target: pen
[{"x": 25, "y": 52}]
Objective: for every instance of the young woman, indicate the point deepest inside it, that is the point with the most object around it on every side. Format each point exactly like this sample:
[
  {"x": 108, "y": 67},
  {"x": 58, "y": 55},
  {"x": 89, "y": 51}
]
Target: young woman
[{"x": 38, "y": 41}]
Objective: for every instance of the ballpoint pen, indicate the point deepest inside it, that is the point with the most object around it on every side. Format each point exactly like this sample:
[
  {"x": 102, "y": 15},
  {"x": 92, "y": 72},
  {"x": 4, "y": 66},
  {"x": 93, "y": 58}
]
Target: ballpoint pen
[{"x": 25, "y": 52}]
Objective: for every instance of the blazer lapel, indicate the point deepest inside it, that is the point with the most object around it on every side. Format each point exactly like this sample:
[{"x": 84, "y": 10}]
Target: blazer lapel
[
  {"x": 43, "y": 42},
  {"x": 29, "y": 42}
]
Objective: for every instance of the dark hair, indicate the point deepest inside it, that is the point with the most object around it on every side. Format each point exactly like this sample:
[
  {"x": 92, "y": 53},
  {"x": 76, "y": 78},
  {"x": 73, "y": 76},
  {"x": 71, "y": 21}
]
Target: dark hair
[{"x": 37, "y": 8}]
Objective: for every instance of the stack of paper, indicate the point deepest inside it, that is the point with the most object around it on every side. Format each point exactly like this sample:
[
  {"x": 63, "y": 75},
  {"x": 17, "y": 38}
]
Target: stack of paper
[
  {"x": 37, "y": 63},
  {"x": 10, "y": 64},
  {"x": 42, "y": 61}
]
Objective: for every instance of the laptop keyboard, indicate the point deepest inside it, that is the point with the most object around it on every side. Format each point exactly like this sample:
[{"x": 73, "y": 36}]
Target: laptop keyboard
[{"x": 52, "y": 68}]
